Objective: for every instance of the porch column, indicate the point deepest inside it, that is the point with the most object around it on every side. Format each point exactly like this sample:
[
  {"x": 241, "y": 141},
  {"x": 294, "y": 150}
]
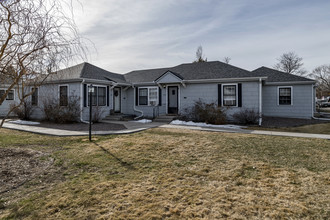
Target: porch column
[{"x": 260, "y": 101}]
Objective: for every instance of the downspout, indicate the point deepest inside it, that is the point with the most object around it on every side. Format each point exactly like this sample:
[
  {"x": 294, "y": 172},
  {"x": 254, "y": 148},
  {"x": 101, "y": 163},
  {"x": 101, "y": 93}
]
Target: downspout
[
  {"x": 260, "y": 101},
  {"x": 82, "y": 102},
  {"x": 134, "y": 107}
]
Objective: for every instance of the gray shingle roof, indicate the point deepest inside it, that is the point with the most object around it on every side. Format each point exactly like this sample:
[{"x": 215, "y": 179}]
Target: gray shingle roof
[
  {"x": 278, "y": 76},
  {"x": 187, "y": 71},
  {"x": 87, "y": 71},
  {"x": 191, "y": 71}
]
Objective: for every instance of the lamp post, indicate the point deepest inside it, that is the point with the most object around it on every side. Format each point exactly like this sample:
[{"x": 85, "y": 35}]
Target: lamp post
[{"x": 90, "y": 91}]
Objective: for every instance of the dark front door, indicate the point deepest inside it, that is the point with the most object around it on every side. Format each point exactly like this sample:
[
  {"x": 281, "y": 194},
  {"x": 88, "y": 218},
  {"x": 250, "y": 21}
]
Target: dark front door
[
  {"x": 173, "y": 100},
  {"x": 116, "y": 100}
]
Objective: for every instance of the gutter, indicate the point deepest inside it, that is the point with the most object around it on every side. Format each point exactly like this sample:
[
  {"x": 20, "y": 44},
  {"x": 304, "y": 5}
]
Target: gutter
[
  {"x": 81, "y": 102},
  {"x": 290, "y": 83},
  {"x": 241, "y": 79},
  {"x": 134, "y": 107}
]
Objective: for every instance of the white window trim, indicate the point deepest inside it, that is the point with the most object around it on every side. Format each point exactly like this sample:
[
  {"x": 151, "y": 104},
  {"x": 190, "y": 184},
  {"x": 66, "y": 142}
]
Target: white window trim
[
  {"x": 278, "y": 95},
  {"x": 6, "y": 99},
  {"x": 222, "y": 93},
  {"x": 97, "y": 97},
  {"x": 148, "y": 100},
  {"x": 58, "y": 92}
]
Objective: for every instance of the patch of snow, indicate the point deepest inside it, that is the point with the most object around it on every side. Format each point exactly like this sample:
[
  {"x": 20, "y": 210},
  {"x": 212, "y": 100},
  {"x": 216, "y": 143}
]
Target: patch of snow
[
  {"x": 200, "y": 124},
  {"x": 144, "y": 121},
  {"x": 22, "y": 122}
]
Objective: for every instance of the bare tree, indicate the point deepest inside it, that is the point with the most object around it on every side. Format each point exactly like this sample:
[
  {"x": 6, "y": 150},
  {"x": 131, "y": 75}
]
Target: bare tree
[
  {"x": 199, "y": 55},
  {"x": 322, "y": 75},
  {"x": 36, "y": 39},
  {"x": 226, "y": 60},
  {"x": 290, "y": 63}
]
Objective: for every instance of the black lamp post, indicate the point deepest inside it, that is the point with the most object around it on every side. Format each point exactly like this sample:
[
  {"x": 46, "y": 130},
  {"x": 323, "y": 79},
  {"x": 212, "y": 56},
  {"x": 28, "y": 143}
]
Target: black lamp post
[{"x": 90, "y": 91}]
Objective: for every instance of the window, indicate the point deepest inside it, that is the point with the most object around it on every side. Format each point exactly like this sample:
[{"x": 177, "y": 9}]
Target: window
[
  {"x": 10, "y": 95},
  {"x": 148, "y": 96},
  {"x": 63, "y": 95},
  {"x": 285, "y": 95},
  {"x": 34, "y": 97},
  {"x": 153, "y": 96},
  {"x": 229, "y": 95},
  {"x": 99, "y": 96},
  {"x": 143, "y": 96}
]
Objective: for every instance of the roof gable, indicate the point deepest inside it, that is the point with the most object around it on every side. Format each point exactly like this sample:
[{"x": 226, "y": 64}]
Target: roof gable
[
  {"x": 169, "y": 77},
  {"x": 87, "y": 71},
  {"x": 279, "y": 76}
]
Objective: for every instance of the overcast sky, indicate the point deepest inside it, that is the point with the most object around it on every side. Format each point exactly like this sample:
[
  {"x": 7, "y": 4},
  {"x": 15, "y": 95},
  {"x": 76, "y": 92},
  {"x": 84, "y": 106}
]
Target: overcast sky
[{"x": 140, "y": 34}]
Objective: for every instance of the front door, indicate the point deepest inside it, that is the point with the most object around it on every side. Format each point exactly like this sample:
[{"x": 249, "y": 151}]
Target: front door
[
  {"x": 116, "y": 99},
  {"x": 173, "y": 99}
]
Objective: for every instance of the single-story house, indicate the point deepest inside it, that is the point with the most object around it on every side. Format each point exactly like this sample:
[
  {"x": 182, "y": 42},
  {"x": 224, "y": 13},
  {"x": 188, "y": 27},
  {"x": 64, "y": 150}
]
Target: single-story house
[{"x": 153, "y": 92}]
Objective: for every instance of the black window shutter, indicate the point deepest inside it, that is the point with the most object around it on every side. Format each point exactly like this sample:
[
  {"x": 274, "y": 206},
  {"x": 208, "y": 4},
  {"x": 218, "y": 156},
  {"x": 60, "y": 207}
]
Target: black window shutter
[
  {"x": 85, "y": 95},
  {"x": 239, "y": 94},
  {"x": 136, "y": 96},
  {"x": 160, "y": 96},
  {"x": 108, "y": 96},
  {"x": 219, "y": 95}
]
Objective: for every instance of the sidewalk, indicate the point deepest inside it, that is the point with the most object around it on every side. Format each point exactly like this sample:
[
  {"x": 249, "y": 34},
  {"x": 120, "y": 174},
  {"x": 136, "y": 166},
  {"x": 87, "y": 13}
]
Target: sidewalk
[
  {"x": 133, "y": 127},
  {"x": 243, "y": 131}
]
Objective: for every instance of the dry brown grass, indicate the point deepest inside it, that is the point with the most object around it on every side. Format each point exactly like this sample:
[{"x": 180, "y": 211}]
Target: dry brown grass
[
  {"x": 180, "y": 174},
  {"x": 314, "y": 129}
]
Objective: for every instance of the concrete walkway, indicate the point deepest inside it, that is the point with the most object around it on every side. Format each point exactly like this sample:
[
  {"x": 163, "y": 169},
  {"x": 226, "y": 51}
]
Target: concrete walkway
[
  {"x": 133, "y": 127},
  {"x": 244, "y": 131}
]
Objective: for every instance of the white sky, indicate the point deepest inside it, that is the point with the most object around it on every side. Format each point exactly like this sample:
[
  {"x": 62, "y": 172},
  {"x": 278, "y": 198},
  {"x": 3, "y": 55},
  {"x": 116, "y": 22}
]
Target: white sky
[{"x": 140, "y": 34}]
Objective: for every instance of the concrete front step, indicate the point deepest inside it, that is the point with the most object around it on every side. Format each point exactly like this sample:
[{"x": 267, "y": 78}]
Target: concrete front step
[
  {"x": 164, "y": 118},
  {"x": 118, "y": 117}
]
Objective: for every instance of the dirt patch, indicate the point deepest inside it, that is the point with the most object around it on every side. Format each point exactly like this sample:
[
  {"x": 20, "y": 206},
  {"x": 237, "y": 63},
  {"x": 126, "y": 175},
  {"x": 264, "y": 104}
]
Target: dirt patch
[
  {"x": 277, "y": 122},
  {"x": 83, "y": 126},
  {"x": 17, "y": 166}
]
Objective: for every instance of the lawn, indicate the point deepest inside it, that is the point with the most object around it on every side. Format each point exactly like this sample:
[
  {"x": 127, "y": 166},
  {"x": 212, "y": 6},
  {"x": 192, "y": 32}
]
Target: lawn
[
  {"x": 313, "y": 128},
  {"x": 168, "y": 173}
]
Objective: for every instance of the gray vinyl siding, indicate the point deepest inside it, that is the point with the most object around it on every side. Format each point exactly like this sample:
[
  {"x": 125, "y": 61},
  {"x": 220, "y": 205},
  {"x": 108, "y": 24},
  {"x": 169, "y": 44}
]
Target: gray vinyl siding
[
  {"x": 51, "y": 91},
  {"x": 302, "y": 98},
  {"x": 6, "y": 105},
  {"x": 208, "y": 93},
  {"x": 148, "y": 111},
  {"x": 102, "y": 110}
]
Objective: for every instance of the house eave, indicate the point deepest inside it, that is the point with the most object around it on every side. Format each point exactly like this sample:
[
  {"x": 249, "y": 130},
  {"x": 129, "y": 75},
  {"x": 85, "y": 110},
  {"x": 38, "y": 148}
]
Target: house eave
[
  {"x": 87, "y": 80},
  {"x": 291, "y": 83},
  {"x": 242, "y": 79}
]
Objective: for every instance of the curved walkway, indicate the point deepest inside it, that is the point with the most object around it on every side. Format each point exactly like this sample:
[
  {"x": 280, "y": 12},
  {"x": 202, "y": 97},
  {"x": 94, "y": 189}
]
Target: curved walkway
[{"x": 133, "y": 127}]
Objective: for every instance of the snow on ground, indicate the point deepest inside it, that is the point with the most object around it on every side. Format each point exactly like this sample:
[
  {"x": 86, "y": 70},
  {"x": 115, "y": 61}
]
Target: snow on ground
[
  {"x": 144, "y": 121},
  {"x": 22, "y": 122},
  {"x": 199, "y": 124}
]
